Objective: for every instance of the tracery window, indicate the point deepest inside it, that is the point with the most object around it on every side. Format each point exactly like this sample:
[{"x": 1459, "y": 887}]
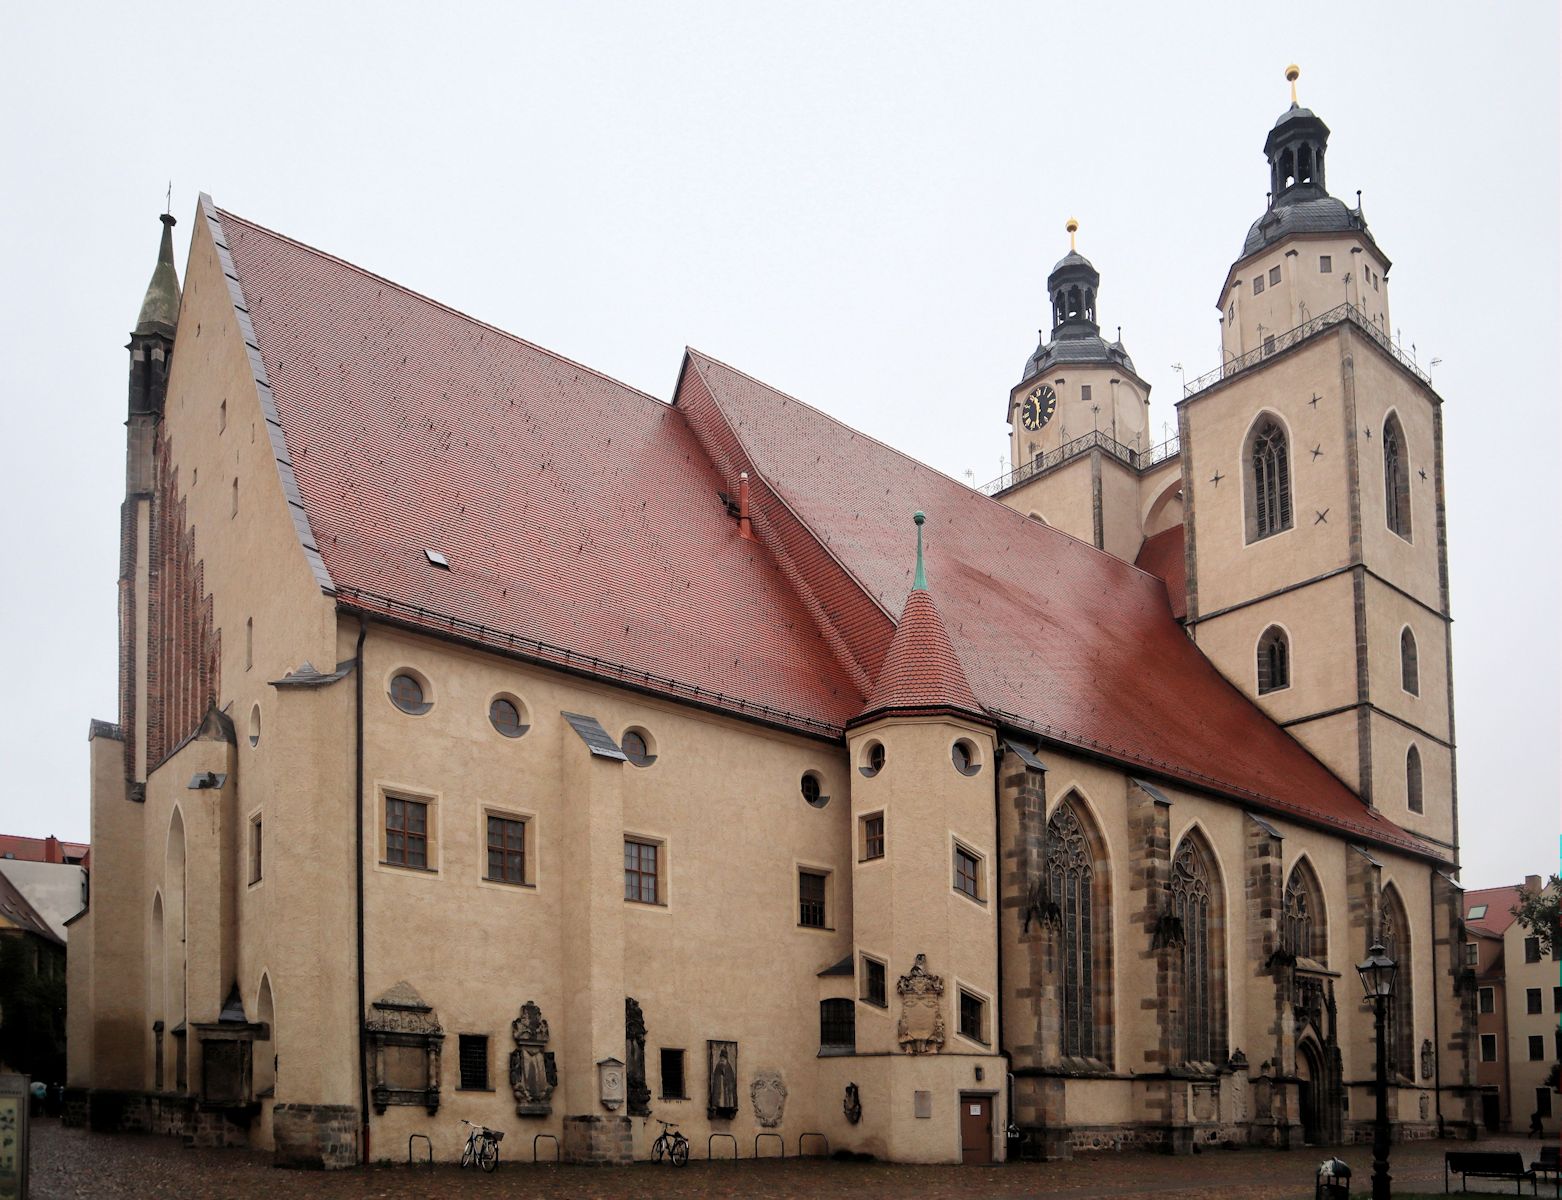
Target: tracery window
[
  {"x": 1302, "y": 927},
  {"x": 1193, "y": 902},
  {"x": 1396, "y": 477},
  {"x": 1274, "y": 660},
  {"x": 1071, "y": 876},
  {"x": 1269, "y": 481},
  {"x": 1409, "y": 665},
  {"x": 1399, "y": 1030}
]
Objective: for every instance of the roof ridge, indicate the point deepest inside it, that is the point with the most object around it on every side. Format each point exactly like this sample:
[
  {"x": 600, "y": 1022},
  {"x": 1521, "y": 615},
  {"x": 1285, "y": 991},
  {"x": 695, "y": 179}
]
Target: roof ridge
[{"x": 228, "y": 214}]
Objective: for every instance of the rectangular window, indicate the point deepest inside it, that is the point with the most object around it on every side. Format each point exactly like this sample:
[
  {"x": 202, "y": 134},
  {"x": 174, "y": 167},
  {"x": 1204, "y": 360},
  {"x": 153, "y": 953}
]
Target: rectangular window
[
  {"x": 1274, "y": 276},
  {"x": 474, "y": 1062},
  {"x": 875, "y": 982},
  {"x": 506, "y": 850},
  {"x": 1488, "y": 997},
  {"x": 672, "y": 1075},
  {"x": 1488, "y": 1047},
  {"x": 1532, "y": 1000},
  {"x": 973, "y": 1016},
  {"x": 810, "y": 899},
  {"x": 1269, "y": 344},
  {"x": 1258, "y": 284},
  {"x": 837, "y": 1026},
  {"x": 968, "y": 873},
  {"x": 1543, "y": 1101},
  {"x": 1537, "y": 1047},
  {"x": 872, "y": 836},
  {"x": 255, "y": 847},
  {"x": 1556, "y": 999},
  {"x": 406, "y": 833},
  {"x": 1325, "y": 264},
  {"x": 1532, "y": 949},
  {"x": 1472, "y": 954},
  {"x": 1084, "y": 392},
  {"x": 641, "y": 872}
]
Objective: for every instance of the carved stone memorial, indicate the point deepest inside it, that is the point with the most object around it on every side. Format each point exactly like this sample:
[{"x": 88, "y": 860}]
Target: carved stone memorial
[
  {"x": 1426, "y": 1059},
  {"x": 921, "y": 1028},
  {"x": 533, "y": 1073},
  {"x": 722, "y": 1073},
  {"x": 853, "y": 1104},
  {"x": 634, "y": 1052},
  {"x": 768, "y": 1095},
  {"x": 610, "y": 1082},
  {"x": 404, "y": 1040}
]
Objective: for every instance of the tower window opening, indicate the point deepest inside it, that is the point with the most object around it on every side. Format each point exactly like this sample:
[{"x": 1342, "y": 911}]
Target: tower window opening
[
  {"x": 1258, "y": 284},
  {"x": 1090, "y": 305},
  {"x": 1287, "y": 169},
  {"x": 1304, "y": 165},
  {"x": 1274, "y": 276},
  {"x": 1396, "y": 478},
  {"x": 1274, "y": 660},
  {"x": 1075, "y": 303},
  {"x": 1325, "y": 264},
  {"x": 1269, "y": 481},
  {"x": 1413, "y": 781},
  {"x": 1409, "y": 668}
]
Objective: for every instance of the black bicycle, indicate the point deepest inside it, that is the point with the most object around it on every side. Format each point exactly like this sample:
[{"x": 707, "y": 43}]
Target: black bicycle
[
  {"x": 482, "y": 1146},
  {"x": 671, "y": 1145}
]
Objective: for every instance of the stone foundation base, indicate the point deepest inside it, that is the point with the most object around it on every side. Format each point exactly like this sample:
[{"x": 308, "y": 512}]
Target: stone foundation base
[
  {"x": 77, "y": 1103},
  {"x": 105, "y": 1111},
  {"x": 598, "y": 1141},
  {"x": 315, "y": 1137}
]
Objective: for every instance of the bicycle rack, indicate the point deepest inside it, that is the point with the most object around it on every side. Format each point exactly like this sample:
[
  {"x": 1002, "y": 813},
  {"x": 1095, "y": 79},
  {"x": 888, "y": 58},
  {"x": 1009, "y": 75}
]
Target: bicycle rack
[
  {"x": 429, "y": 1160},
  {"x": 552, "y": 1139},
  {"x": 729, "y": 1137},
  {"x": 820, "y": 1136},
  {"x": 780, "y": 1141}
]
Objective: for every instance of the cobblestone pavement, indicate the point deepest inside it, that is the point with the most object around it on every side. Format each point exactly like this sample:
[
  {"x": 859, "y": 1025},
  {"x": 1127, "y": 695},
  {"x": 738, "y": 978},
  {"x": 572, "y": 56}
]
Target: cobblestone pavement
[{"x": 74, "y": 1164}]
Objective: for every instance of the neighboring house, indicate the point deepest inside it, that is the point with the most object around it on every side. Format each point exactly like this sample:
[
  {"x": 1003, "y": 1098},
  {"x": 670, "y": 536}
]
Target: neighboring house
[
  {"x": 498, "y": 742},
  {"x": 32, "y": 988},
  {"x": 45, "y": 849},
  {"x": 57, "y": 891},
  {"x": 1518, "y": 1009}
]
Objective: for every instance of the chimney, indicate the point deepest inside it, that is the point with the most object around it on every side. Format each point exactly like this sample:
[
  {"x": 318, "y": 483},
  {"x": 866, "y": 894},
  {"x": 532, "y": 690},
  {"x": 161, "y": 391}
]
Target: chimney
[
  {"x": 745, "y": 527},
  {"x": 51, "y": 850},
  {"x": 1532, "y": 883}
]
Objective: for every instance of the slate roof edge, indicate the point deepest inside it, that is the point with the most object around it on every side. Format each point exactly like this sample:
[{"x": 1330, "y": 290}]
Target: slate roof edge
[
  {"x": 919, "y": 710},
  {"x": 267, "y": 399}
]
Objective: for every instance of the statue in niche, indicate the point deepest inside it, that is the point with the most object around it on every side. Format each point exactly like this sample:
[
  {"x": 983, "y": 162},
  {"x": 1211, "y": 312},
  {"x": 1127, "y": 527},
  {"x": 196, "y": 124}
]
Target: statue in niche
[
  {"x": 723, "y": 1075},
  {"x": 921, "y": 1028},
  {"x": 533, "y": 1073},
  {"x": 634, "y": 1039},
  {"x": 853, "y": 1104},
  {"x": 1426, "y": 1059},
  {"x": 768, "y": 1095}
]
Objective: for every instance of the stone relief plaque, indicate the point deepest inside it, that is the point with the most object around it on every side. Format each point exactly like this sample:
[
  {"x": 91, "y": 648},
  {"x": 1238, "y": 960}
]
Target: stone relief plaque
[
  {"x": 722, "y": 1074},
  {"x": 767, "y": 1093},
  {"x": 533, "y": 1075},
  {"x": 610, "y": 1082},
  {"x": 852, "y": 1105},
  {"x": 921, "y": 1028}
]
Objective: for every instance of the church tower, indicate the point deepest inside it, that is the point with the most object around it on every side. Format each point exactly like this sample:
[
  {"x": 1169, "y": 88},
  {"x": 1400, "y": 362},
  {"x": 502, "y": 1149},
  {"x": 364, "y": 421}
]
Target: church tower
[
  {"x": 1312, "y": 466},
  {"x": 1078, "y": 419}
]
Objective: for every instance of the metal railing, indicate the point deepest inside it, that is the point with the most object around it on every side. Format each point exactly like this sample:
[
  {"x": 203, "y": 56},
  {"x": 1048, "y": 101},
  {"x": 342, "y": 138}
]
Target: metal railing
[
  {"x": 1275, "y": 343},
  {"x": 1094, "y": 440}
]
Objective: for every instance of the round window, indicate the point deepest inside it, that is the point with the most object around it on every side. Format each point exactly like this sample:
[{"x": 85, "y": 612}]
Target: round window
[
  {"x": 873, "y": 761},
  {"x": 254, "y": 726},
  {"x": 963, "y": 754},
  {"x": 812, "y": 791},
  {"x": 406, "y": 693},
  {"x": 637, "y": 748},
  {"x": 505, "y": 716}
]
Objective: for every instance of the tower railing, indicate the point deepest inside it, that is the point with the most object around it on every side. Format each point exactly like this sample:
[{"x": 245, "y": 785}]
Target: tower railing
[
  {"x": 1094, "y": 440},
  {"x": 1275, "y": 343}
]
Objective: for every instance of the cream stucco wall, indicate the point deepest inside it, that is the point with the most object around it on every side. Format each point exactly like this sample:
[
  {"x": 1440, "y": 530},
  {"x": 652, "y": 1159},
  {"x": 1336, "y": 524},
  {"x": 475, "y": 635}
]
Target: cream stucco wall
[{"x": 1304, "y": 291}]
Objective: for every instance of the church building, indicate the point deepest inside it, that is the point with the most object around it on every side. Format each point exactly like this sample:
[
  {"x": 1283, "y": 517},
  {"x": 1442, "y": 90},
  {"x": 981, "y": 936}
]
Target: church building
[{"x": 498, "y": 742}]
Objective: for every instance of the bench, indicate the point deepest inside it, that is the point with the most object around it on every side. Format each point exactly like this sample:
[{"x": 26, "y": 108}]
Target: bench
[
  {"x": 1550, "y": 1164},
  {"x": 1487, "y": 1164}
]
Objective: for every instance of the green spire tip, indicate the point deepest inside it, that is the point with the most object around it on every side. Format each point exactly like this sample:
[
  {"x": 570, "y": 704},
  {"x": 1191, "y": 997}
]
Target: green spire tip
[{"x": 919, "y": 584}]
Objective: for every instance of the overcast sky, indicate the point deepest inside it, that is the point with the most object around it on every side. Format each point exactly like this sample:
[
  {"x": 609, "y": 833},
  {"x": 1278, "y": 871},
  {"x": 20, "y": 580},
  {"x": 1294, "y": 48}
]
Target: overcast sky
[{"x": 858, "y": 203}]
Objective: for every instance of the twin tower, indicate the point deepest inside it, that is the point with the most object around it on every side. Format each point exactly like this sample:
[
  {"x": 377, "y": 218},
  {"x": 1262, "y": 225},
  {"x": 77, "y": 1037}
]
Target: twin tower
[{"x": 1297, "y": 518}]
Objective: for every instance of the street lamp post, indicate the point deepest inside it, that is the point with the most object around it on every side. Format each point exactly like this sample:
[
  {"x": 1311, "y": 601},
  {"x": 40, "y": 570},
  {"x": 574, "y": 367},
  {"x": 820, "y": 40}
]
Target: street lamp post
[{"x": 1377, "y": 980}]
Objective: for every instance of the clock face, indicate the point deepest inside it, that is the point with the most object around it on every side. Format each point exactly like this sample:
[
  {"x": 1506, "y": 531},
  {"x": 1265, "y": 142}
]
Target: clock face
[{"x": 1039, "y": 407}]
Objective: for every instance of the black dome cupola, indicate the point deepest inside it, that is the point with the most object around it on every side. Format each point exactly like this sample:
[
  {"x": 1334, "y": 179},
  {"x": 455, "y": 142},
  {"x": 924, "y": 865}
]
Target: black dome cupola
[
  {"x": 1295, "y": 149},
  {"x": 1073, "y": 285}
]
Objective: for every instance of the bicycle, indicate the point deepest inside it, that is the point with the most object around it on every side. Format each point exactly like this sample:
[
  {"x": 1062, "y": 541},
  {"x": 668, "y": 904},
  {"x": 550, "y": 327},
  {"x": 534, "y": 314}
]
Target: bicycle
[
  {"x": 674, "y": 1146},
  {"x": 482, "y": 1146}
]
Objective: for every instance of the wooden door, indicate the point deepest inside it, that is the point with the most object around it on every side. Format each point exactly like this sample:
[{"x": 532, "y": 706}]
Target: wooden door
[{"x": 976, "y": 1129}]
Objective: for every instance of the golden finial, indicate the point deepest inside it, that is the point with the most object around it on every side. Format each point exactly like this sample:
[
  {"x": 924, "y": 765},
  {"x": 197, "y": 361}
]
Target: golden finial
[
  {"x": 1072, "y": 227},
  {"x": 1292, "y": 73}
]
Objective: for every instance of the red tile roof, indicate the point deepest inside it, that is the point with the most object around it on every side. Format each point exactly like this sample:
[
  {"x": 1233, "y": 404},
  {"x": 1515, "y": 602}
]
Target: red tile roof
[
  {"x": 921, "y": 669},
  {"x": 1162, "y": 556},
  {"x": 1499, "y": 902},
  {"x": 1055, "y": 636},
  {"x": 574, "y": 511},
  {"x": 49, "y": 849}
]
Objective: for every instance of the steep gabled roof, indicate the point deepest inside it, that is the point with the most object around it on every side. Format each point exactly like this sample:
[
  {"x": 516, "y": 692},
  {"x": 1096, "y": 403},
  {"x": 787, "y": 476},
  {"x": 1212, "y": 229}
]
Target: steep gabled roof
[
  {"x": 1055, "y": 636},
  {"x": 582, "y": 523},
  {"x": 921, "y": 670}
]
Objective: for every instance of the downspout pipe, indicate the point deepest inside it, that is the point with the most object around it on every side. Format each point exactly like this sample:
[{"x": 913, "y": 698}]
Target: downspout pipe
[
  {"x": 363, "y": 1036},
  {"x": 998, "y": 996},
  {"x": 1437, "y": 1037}
]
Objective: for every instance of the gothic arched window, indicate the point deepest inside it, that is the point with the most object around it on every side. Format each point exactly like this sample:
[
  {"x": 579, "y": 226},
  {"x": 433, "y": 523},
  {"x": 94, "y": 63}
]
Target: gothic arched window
[
  {"x": 1302, "y": 930},
  {"x": 1413, "y": 780},
  {"x": 1077, "y": 881},
  {"x": 1396, "y": 477},
  {"x": 1399, "y": 1034},
  {"x": 1269, "y": 480},
  {"x": 1196, "y": 904},
  {"x": 1409, "y": 668},
  {"x": 1274, "y": 660}
]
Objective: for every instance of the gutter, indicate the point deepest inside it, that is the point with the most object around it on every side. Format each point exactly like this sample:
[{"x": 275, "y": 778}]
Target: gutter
[{"x": 363, "y": 1044}]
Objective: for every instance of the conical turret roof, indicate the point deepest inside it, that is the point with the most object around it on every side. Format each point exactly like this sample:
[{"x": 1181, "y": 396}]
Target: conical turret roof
[{"x": 160, "y": 307}]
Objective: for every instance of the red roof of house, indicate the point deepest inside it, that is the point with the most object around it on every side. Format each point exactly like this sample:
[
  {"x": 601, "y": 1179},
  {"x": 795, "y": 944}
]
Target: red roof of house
[
  {"x": 574, "y": 511},
  {"x": 1055, "y": 635},
  {"x": 1499, "y": 902},
  {"x": 921, "y": 669},
  {"x": 1162, "y": 556},
  {"x": 49, "y": 849},
  {"x": 584, "y": 525}
]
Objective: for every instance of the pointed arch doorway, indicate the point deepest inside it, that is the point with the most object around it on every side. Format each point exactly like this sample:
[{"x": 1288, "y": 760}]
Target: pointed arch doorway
[{"x": 1310, "y": 1092}]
